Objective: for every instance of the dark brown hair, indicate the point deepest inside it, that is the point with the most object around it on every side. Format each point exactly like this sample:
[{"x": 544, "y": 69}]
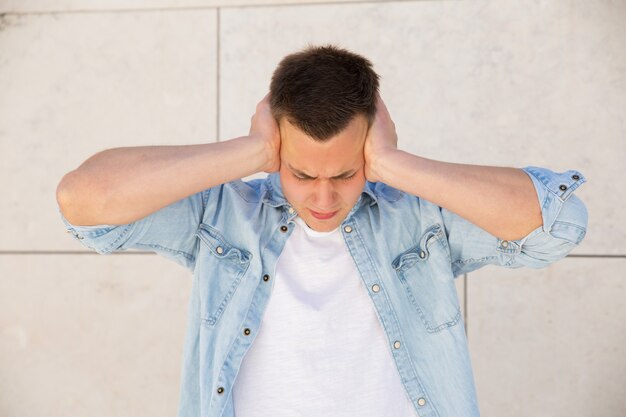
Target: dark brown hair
[{"x": 321, "y": 89}]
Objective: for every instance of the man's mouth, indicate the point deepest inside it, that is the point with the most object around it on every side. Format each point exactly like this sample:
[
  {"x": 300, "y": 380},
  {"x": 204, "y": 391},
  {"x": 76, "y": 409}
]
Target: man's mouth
[{"x": 323, "y": 216}]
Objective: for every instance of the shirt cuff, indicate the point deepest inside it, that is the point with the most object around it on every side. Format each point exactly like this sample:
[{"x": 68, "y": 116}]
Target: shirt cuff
[
  {"x": 553, "y": 189},
  {"x": 564, "y": 217},
  {"x": 102, "y": 238}
]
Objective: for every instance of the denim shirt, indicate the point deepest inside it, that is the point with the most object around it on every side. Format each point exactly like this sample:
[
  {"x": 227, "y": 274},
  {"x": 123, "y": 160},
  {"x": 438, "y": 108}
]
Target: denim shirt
[{"x": 407, "y": 250}]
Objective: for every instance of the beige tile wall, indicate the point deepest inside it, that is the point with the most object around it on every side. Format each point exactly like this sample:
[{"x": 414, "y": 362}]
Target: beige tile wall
[
  {"x": 550, "y": 342},
  {"x": 482, "y": 82},
  {"x": 75, "y": 84},
  {"x": 89, "y": 335}
]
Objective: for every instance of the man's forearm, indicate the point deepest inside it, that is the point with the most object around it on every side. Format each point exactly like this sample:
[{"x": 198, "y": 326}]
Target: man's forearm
[
  {"x": 121, "y": 185},
  {"x": 500, "y": 200}
]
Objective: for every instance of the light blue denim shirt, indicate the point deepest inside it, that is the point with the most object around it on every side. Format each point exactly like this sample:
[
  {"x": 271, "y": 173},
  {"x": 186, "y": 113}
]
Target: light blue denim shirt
[{"x": 407, "y": 251}]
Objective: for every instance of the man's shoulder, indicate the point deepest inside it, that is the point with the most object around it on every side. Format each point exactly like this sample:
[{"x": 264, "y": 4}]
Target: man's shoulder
[
  {"x": 250, "y": 191},
  {"x": 390, "y": 198}
]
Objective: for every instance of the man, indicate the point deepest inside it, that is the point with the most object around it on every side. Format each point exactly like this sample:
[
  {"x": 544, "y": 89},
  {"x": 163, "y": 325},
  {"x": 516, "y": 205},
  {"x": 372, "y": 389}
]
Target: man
[{"x": 339, "y": 266}]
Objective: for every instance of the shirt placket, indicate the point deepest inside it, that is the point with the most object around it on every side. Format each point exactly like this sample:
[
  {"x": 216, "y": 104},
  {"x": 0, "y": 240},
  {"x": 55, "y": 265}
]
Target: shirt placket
[
  {"x": 225, "y": 381},
  {"x": 353, "y": 238}
]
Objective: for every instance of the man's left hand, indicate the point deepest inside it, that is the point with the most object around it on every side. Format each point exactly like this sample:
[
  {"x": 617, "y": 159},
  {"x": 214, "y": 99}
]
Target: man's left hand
[{"x": 381, "y": 142}]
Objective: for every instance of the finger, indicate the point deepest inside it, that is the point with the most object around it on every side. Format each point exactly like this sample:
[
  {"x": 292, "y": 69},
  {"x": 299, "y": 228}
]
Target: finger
[
  {"x": 382, "y": 109},
  {"x": 262, "y": 103},
  {"x": 380, "y": 102}
]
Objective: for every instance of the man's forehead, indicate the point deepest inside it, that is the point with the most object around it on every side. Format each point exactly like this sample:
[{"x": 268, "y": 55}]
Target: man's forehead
[{"x": 335, "y": 157}]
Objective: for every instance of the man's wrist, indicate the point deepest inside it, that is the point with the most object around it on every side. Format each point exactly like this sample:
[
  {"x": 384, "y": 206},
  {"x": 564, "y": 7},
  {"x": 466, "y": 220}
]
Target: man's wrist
[
  {"x": 383, "y": 163},
  {"x": 265, "y": 152}
]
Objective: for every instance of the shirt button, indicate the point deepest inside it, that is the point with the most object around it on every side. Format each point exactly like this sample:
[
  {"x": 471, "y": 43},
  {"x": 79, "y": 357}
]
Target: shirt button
[
  {"x": 396, "y": 344},
  {"x": 283, "y": 229},
  {"x": 575, "y": 177},
  {"x": 422, "y": 254},
  {"x": 246, "y": 331},
  {"x": 562, "y": 187},
  {"x": 291, "y": 210},
  {"x": 347, "y": 229},
  {"x": 421, "y": 401},
  {"x": 220, "y": 390},
  {"x": 505, "y": 244},
  {"x": 375, "y": 287},
  {"x": 219, "y": 250},
  {"x": 266, "y": 277}
]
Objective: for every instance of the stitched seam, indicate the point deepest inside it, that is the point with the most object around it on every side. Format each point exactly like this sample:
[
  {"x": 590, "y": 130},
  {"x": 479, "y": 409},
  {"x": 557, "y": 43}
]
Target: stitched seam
[
  {"x": 214, "y": 317},
  {"x": 163, "y": 248},
  {"x": 235, "y": 186},
  {"x": 205, "y": 199},
  {"x": 113, "y": 244},
  {"x": 568, "y": 224},
  {"x": 581, "y": 233},
  {"x": 243, "y": 255},
  {"x": 470, "y": 260}
]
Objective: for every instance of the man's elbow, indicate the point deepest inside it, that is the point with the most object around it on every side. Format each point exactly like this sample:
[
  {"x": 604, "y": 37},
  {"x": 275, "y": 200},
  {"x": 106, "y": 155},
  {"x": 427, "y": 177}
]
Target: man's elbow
[{"x": 77, "y": 200}]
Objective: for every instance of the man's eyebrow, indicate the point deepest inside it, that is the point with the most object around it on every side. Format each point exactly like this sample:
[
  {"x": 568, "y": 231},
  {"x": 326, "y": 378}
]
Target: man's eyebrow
[{"x": 336, "y": 177}]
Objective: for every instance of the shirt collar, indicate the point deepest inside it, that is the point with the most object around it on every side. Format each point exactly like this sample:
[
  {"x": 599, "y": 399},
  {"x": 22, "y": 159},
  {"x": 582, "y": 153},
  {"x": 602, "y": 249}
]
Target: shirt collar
[{"x": 273, "y": 194}]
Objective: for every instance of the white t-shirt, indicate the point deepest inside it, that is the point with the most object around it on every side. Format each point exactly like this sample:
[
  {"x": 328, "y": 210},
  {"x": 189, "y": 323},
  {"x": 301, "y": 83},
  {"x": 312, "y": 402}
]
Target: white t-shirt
[{"x": 320, "y": 350}]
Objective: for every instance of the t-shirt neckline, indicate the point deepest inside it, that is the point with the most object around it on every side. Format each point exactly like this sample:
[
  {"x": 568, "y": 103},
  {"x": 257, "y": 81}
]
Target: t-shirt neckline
[{"x": 312, "y": 232}]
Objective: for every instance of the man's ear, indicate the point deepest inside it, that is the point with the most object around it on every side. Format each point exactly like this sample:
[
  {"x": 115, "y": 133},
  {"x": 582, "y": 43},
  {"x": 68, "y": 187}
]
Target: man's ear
[{"x": 281, "y": 128}]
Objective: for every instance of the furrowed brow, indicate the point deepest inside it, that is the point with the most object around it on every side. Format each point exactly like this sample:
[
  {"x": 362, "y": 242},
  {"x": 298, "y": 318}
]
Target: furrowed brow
[
  {"x": 343, "y": 175},
  {"x": 304, "y": 175}
]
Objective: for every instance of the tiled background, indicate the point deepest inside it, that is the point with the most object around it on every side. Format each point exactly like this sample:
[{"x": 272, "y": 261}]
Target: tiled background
[{"x": 539, "y": 82}]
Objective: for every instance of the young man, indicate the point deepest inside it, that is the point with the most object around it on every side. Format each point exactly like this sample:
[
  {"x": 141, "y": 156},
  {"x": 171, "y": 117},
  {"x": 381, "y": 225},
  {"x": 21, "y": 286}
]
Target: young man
[{"x": 326, "y": 289}]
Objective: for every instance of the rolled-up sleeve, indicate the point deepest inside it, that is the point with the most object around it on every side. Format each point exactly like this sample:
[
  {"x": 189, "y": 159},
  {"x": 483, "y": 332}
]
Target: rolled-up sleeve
[
  {"x": 170, "y": 231},
  {"x": 564, "y": 227}
]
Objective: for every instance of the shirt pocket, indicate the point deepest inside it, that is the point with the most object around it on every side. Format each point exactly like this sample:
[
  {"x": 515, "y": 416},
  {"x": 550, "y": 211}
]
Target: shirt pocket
[
  {"x": 220, "y": 267},
  {"x": 426, "y": 275}
]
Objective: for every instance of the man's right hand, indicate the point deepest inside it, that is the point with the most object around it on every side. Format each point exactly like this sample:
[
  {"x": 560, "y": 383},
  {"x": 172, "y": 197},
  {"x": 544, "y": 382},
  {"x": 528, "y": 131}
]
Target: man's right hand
[{"x": 263, "y": 127}]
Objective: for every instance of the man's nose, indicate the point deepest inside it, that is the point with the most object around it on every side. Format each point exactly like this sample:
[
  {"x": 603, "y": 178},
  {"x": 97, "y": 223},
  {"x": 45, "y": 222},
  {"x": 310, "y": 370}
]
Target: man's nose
[{"x": 325, "y": 195}]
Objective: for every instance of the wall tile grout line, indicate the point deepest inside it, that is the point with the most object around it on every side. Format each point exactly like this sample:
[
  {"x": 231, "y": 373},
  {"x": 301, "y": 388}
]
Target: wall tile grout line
[{"x": 240, "y": 6}]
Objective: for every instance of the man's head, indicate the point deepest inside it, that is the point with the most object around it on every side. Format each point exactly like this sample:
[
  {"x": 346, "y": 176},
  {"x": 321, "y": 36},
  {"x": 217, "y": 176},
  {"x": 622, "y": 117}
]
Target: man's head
[{"x": 324, "y": 100}]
